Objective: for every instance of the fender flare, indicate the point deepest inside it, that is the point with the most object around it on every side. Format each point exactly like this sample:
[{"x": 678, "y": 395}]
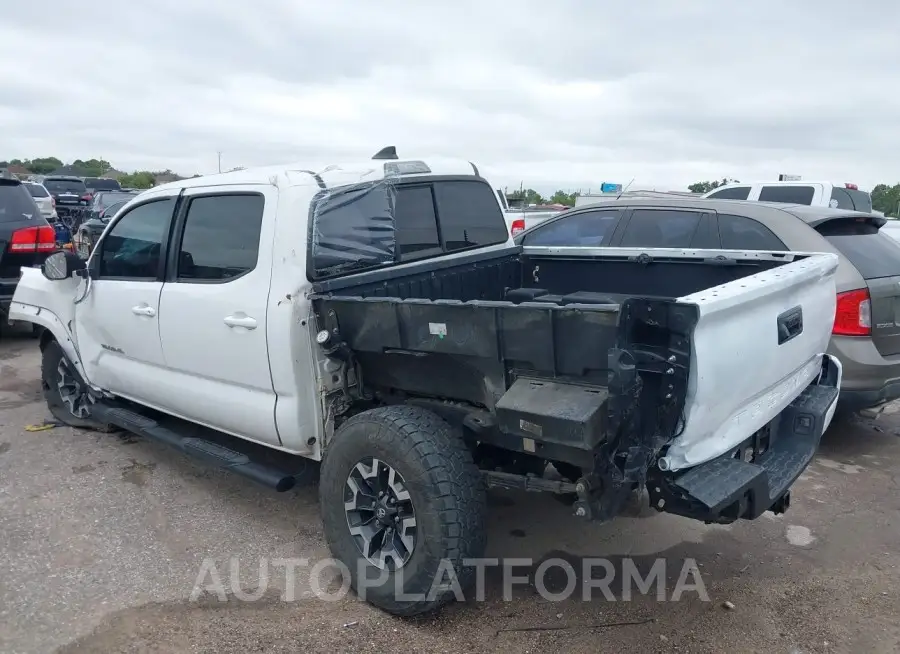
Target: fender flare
[{"x": 53, "y": 325}]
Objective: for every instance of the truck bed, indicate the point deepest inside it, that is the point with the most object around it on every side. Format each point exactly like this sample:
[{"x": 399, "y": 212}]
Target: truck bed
[{"x": 606, "y": 359}]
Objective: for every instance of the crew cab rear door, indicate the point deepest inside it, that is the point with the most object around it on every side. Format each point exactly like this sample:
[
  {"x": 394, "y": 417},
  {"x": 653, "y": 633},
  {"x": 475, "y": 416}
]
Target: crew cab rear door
[{"x": 213, "y": 309}]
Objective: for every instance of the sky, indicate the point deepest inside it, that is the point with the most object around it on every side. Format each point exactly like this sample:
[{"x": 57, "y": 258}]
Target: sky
[{"x": 565, "y": 94}]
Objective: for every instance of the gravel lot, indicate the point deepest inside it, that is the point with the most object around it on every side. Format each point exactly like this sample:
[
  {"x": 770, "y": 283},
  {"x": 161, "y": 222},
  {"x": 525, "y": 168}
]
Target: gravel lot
[{"x": 102, "y": 539}]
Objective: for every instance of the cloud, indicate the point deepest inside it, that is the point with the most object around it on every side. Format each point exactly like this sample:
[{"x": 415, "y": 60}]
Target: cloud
[{"x": 569, "y": 93}]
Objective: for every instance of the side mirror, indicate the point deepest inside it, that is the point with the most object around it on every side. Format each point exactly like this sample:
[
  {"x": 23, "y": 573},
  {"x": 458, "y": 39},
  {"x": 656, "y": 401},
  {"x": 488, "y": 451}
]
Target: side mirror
[{"x": 62, "y": 265}]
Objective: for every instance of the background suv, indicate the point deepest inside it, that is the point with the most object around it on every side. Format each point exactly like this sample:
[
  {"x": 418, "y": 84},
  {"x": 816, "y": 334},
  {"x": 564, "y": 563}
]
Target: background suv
[
  {"x": 866, "y": 331},
  {"x": 26, "y": 238}
]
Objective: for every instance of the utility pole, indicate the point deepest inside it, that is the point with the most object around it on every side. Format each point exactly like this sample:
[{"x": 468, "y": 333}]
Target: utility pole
[{"x": 220, "y": 161}]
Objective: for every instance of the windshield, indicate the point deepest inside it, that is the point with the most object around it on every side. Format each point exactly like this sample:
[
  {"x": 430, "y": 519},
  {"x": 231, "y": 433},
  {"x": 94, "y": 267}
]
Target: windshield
[
  {"x": 37, "y": 191},
  {"x": 63, "y": 185},
  {"x": 106, "y": 199}
]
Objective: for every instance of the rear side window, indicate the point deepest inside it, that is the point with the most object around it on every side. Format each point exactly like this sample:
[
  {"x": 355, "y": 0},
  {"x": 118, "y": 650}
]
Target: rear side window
[
  {"x": 16, "y": 203},
  {"x": 469, "y": 214},
  {"x": 853, "y": 199},
  {"x": 873, "y": 253},
  {"x": 585, "y": 229},
  {"x": 733, "y": 193},
  {"x": 661, "y": 228},
  {"x": 415, "y": 223},
  {"x": 742, "y": 233},
  {"x": 788, "y": 194},
  {"x": 221, "y": 237},
  {"x": 37, "y": 191}
]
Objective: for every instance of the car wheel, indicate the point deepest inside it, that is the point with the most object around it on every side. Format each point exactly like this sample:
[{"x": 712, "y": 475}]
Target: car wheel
[
  {"x": 65, "y": 391},
  {"x": 403, "y": 505}
]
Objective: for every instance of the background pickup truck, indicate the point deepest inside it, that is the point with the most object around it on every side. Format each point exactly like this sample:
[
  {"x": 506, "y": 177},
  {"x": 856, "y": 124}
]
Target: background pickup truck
[{"x": 399, "y": 336}]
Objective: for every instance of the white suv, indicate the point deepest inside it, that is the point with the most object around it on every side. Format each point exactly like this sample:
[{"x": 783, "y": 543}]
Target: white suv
[{"x": 816, "y": 194}]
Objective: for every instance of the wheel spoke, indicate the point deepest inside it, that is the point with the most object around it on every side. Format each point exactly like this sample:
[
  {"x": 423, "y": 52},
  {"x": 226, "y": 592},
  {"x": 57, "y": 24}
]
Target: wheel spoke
[{"x": 380, "y": 513}]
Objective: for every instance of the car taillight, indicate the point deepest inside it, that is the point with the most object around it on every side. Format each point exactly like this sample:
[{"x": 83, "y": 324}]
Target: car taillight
[
  {"x": 852, "y": 187},
  {"x": 518, "y": 226},
  {"x": 33, "y": 239},
  {"x": 53, "y": 201},
  {"x": 853, "y": 315},
  {"x": 87, "y": 197}
]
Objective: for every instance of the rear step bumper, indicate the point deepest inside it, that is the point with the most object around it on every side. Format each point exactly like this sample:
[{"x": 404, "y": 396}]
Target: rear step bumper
[
  {"x": 727, "y": 488},
  {"x": 207, "y": 451}
]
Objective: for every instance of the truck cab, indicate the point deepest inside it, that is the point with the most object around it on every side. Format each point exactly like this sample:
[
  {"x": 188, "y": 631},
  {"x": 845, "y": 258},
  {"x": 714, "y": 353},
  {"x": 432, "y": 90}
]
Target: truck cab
[{"x": 376, "y": 317}]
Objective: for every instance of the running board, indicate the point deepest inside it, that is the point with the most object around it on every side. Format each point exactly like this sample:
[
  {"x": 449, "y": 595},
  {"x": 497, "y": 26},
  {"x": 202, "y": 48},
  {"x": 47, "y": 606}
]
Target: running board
[{"x": 199, "y": 448}]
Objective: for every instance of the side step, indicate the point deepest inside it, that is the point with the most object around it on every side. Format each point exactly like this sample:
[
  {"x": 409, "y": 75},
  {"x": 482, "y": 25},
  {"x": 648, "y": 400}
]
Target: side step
[{"x": 199, "y": 448}]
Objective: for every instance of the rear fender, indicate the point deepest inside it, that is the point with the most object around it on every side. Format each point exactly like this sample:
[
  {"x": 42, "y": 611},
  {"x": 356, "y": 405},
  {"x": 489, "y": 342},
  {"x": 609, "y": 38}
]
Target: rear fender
[{"x": 50, "y": 304}]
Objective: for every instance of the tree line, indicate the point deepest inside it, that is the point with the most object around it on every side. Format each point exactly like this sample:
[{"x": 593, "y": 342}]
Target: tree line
[{"x": 91, "y": 168}]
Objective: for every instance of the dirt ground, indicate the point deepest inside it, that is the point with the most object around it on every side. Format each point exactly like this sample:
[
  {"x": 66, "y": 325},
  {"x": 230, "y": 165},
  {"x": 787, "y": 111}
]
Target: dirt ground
[{"x": 102, "y": 539}]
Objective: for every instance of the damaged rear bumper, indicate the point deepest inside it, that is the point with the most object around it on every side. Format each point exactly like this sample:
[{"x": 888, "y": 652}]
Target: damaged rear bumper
[{"x": 758, "y": 475}]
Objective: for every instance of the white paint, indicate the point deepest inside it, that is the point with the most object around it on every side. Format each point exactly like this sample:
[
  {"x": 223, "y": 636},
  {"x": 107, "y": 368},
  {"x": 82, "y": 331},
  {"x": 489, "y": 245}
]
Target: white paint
[{"x": 799, "y": 536}]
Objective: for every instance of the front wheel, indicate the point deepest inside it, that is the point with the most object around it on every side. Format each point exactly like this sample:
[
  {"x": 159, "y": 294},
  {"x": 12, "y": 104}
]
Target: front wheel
[
  {"x": 65, "y": 391},
  {"x": 403, "y": 506}
]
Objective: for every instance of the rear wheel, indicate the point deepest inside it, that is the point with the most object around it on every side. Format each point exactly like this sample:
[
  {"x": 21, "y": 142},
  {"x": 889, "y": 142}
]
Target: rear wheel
[
  {"x": 65, "y": 391},
  {"x": 403, "y": 505}
]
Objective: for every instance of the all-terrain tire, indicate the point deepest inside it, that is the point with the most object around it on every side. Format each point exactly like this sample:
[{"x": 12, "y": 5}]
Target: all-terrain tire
[
  {"x": 447, "y": 493},
  {"x": 53, "y": 358}
]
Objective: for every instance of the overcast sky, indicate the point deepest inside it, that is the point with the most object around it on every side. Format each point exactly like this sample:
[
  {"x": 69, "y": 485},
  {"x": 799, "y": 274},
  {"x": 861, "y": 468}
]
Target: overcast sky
[{"x": 566, "y": 93}]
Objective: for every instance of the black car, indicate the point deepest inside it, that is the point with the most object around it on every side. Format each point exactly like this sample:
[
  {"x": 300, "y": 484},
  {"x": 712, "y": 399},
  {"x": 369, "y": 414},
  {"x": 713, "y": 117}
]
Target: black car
[
  {"x": 104, "y": 199},
  {"x": 26, "y": 238},
  {"x": 71, "y": 196},
  {"x": 90, "y": 230}
]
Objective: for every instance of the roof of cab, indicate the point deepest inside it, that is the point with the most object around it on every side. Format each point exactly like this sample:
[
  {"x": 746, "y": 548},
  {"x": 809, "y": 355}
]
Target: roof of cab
[{"x": 332, "y": 176}]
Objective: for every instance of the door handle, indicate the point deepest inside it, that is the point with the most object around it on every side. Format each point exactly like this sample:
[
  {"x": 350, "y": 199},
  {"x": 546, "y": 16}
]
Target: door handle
[
  {"x": 241, "y": 320},
  {"x": 143, "y": 310}
]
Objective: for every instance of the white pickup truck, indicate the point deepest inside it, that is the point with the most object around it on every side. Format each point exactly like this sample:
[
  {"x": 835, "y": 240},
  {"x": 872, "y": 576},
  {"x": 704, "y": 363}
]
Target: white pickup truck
[{"x": 377, "y": 317}]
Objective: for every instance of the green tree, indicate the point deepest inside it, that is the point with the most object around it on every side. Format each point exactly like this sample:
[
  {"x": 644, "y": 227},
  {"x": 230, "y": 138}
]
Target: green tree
[
  {"x": 39, "y": 166},
  {"x": 561, "y": 197},
  {"x": 137, "y": 179},
  {"x": 92, "y": 167},
  {"x": 887, "y": 199},
  {"x": 528, "y": 196},
  {"x": 706, "y": 187}
]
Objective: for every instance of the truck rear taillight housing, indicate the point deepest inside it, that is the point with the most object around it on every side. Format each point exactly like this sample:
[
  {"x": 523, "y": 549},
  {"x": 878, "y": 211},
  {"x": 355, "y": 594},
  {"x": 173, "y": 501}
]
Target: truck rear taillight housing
[
  {"x": 518, "y": 226},
  {"x": 33, "y": 239},
  {"x": 853, "y": 315}
]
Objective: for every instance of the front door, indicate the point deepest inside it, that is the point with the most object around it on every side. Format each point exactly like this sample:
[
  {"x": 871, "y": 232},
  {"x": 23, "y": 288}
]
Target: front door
[
  {"x": 213, "y": 310},
  {"x": 117, "y": 323}
]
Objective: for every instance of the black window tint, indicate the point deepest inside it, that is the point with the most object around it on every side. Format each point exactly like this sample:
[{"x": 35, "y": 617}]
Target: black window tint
[
  {"x": 16, "y": 204},
  {"x": 742, "y": 233},
  {"x": 469, "y": 215},
  {"x": 789, "y": 194},
  {"x": 353, "y": 230},
  {"x": 415, "y": 223},
  {"x": 221, "y": 237},
  {"x": 661, "y": 228},
  {"x": 586, "y": 229},
  {"x": 734, "y": 193},
  {"x": 65, "y": 185},
  {"x": 853, "y": 199},
  {"x": 873, "y": 253},
  {"x": 37, "y": 191},
  {"x": 132, "y": 248},
  {"x": 111, "y": 210},
  {"x": 98, "y": 184}
]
